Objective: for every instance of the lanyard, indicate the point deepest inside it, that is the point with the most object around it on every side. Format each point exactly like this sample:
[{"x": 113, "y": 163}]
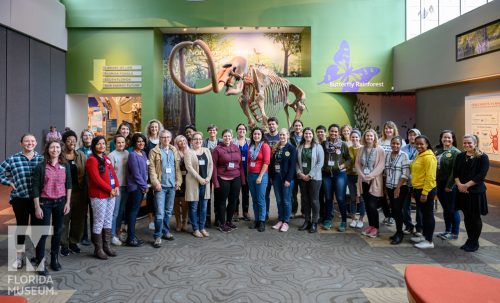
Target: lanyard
[{"x": 367, "y": 158}]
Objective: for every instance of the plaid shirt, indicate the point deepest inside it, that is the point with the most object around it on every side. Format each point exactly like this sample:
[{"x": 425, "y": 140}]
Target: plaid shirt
[
  {"x": 18, "y": 169},
  {"x": 396, "y": 168},
  {"x": 55, "y": 181}
]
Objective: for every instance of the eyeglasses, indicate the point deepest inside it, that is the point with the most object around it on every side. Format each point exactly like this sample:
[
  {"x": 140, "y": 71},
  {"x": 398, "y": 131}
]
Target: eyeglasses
[{"x": 164, "y": 137}]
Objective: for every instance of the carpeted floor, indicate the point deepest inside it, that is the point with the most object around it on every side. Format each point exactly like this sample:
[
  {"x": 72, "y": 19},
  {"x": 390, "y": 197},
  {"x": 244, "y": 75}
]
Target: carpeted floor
[{"x": 248, "y": 266}]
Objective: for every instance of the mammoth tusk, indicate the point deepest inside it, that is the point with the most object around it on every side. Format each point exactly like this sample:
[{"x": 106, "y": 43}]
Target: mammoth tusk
[{"x": 213, "y": 86}]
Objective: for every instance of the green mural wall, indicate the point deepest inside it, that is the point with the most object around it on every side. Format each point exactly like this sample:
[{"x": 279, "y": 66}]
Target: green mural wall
[{"x": 125, "y": 32}]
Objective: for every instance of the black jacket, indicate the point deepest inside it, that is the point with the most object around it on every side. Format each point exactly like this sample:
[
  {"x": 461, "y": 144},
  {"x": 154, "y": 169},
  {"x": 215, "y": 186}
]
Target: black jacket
[
  {"x": 474, "y": 169},
  {"x": 287, "y": 163}
]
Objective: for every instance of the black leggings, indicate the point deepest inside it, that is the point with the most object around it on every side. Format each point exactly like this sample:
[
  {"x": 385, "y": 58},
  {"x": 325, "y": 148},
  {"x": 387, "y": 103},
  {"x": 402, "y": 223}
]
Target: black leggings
[
  {"x": 427, "y": 209},
  {"x": 228, "y": 190},
  {"x": 397, "y": 205},
  {"x": 245, "y": 200},
  {"x": 371, "y": 204},
  {"x": 24, "y": 209}
]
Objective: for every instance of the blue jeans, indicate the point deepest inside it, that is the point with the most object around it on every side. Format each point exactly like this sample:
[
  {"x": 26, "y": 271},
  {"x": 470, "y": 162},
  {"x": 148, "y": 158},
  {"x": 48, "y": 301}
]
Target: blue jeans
[
  {"x": 335, "y": 183},
  {"x": 450, "y": 215},
  {"x": 258, "y": 192},
  {"x": 164, "y": 203},
  {"x": 120, "y": 204},
  {"x": 283, "y": 198},
  {"x": 198, "y": 210},
  {"x": 133, "y": 205},
  {"x": 268, "y": 195},
  {"x": 352, "y": 181}
]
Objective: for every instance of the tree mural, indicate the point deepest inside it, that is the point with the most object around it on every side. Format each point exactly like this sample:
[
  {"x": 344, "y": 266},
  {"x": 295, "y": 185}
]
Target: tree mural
[
  {"x": 290, "y": 45},
  {"x": 362, "y": 119}
]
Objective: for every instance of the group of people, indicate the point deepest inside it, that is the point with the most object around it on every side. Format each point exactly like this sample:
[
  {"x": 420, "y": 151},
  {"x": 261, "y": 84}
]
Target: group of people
[{"x": 358, "y": 171}]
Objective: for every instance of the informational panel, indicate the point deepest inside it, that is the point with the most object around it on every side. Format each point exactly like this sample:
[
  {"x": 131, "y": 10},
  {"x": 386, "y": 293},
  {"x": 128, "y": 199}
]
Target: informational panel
[{"x": 482, "y": 113}]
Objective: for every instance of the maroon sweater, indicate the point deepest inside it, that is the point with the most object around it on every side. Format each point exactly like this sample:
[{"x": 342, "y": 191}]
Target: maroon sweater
[{"x": 223, "y": 156}]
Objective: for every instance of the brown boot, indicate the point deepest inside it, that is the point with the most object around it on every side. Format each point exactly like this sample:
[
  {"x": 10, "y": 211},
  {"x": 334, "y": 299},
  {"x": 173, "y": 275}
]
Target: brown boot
[
  {"x": 97, "y": 241},
  {"x": 106, "y": 242}
]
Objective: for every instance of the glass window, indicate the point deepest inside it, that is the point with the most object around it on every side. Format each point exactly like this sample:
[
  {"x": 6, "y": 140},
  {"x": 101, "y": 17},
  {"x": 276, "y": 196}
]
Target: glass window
[
  {"x": 429, "y": 14},
  {"x": 412, "y": 18},
  {"x": 468, "y": 5},
  {"x": 448, "y": 9}
]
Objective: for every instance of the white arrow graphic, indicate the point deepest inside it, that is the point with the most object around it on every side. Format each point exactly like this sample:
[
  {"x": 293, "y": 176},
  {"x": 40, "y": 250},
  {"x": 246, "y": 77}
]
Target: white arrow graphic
[{"x": 98, "y": 67}]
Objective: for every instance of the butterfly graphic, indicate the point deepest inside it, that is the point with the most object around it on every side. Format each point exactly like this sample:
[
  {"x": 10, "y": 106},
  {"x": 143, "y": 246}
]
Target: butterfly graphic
[{"x": 342, "y": 71}]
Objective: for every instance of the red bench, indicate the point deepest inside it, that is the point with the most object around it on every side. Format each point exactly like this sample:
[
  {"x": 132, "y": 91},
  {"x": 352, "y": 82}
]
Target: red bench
[{"x": 426, "y": 283}]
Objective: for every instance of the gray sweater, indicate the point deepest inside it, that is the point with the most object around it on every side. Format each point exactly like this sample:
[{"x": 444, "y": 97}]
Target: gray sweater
[{"x": 119, "y": 161}]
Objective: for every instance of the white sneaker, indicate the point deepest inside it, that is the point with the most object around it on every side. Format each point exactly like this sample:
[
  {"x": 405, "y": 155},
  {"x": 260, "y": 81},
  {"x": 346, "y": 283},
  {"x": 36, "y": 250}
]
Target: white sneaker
[
  {"x": 417, "y": 239},
  {"x": 19, "y": 262},
  {"x": 152, "y": 225},
  {"x": 424, "y": 244},
  {"x": 359, "y": 224},
  {"x": 115, "y": 241},
  {"x": 353, "y": 224}
]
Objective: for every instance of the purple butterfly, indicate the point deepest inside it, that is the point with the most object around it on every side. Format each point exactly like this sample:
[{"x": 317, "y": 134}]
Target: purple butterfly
[{"x": 342, "y": 70}]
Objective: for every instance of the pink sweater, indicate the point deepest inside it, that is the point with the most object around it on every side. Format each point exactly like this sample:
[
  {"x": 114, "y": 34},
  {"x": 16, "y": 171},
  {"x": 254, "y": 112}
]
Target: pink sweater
[{"x": 376, "y": 177}]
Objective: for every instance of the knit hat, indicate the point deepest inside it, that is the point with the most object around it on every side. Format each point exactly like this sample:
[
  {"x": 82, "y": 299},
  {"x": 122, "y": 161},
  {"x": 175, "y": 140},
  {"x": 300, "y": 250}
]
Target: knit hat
[{"x": 416, "y": 131}]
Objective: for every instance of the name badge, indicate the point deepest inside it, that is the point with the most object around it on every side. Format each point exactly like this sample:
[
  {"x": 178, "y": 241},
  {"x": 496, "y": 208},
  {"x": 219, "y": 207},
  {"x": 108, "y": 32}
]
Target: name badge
[
  {"x": 201, "y": 162},
  {"x": 277, "y": 167},
  {"x": 304, "y": 164},
  {"x": 243, "y": 158},
  {"x": 147, "y": 162},
  {"x": 331, "y": 163},
  {"x": 61, "y": 167},
  {"x": 366, "y": 171},
  {"x": 338, "y": 151},
  {"x": 252, "y": 164},
  {"x": 230, "y": 165},
  {"x": 168, "y": 170}
]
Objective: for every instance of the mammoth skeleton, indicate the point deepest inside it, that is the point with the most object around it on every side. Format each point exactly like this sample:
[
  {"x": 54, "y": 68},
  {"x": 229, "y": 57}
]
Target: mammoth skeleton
[{"x": 262, "y": 92}]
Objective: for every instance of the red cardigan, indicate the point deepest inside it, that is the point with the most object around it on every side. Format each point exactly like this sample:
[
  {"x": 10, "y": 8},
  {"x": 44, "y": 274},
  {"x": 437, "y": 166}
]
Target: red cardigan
[{"x": 100, "y": 184}]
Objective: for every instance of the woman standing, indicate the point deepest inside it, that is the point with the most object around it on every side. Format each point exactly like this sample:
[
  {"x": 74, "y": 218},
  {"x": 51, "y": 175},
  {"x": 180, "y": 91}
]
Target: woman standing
[
  {"x": 52, "y": 196},
  {"x": 370, "y": 164},
  {"x": 227, "y": 177},
  {"x": 119, "y": 158},
  {"x": 259, "y": 157},
  {"x": 352, "y": 180},
  {"x": 17, "y": 172},
  {"x": 103, "y": 188},
  {"x": 180, "y": 205},
  {"x": 242, "y": 141},
  {"x": 423, "y": 171},
  {"x": 295, "y": 139},
  {"x": 152, "y": 131},
  {"x": 199, "y": 166},
  {"x": 397, "y": 172},
  {"x": 123, "y": 130},
  {"x": 334, "y": 176},
  {"x": 74, "y": 221},
  {"x": 310, "y": 158},
  {"x": 282, "y": 172},
  {"x": 446, "y": 152},
  {"x": 86, "y": 137},
  {"x": 470, "y": 169},
  {"x": 137, "y": 185}
]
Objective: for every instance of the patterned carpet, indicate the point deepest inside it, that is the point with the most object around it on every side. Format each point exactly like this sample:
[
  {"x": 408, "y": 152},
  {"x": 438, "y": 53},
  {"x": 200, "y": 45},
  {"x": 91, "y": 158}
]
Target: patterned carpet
[{"x": 247, "y": 266}]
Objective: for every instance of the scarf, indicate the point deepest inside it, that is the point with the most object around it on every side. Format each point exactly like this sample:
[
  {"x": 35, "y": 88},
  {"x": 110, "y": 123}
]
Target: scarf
[{"x": 254, "y": 151}]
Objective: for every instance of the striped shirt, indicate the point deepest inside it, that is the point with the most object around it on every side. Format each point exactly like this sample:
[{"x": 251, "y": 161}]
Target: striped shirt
[
  {"x": 396, "y": 168},
  {"x": 19, "y": 170}
]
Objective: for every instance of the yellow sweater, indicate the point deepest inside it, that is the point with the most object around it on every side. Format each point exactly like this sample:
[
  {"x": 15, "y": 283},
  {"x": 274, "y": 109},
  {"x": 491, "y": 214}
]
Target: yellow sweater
[{"x": 423, "y": 171}]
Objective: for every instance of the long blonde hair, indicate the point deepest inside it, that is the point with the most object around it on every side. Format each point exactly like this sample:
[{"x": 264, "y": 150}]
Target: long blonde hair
[
  {"x": 147, "y": 131},
  {"x": 276, "y": 146},
  {"x": 375, "y": 137},
  {"x": 475, "y": 139}
]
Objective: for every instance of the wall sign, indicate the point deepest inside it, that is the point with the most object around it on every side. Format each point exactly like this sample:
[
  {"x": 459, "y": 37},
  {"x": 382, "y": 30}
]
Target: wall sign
[{"x": 116, "y": 76}]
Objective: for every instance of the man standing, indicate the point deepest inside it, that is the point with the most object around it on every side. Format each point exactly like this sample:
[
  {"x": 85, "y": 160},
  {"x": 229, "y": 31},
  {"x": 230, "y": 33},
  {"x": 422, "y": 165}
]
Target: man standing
[
  {"x": 272, "y": 138},
  {"x": 165, "y": 176}
]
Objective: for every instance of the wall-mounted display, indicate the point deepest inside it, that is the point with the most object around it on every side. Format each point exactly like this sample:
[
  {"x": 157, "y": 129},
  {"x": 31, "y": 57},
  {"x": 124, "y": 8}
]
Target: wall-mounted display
[
  {"x": 261, "y": 92},
  {"x": 479, "y": 41},
  {"x": 482, "y": 113},
  {"x": 281, "y": 53}
]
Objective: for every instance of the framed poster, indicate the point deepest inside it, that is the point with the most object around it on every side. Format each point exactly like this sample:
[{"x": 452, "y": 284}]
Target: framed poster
[
  {"x": 479, "y": 41},
  {"x": 482, "y": 113}
]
